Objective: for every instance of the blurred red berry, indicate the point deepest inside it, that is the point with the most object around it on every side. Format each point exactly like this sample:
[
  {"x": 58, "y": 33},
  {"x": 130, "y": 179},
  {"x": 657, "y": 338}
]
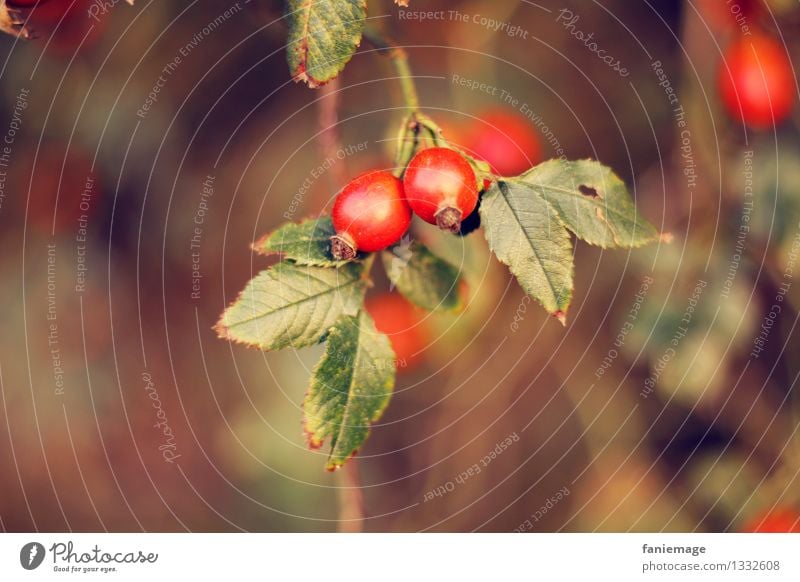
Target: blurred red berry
[
  {"x": 404, "y": 325},
  {"x": 505, "y": 141},
  {"x": 781, "y": 520},
  {"x": 756, "y": 81}
]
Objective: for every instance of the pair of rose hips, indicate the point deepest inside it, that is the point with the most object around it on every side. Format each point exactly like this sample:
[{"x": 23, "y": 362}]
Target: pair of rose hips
[{"x": 374, "y": 210}]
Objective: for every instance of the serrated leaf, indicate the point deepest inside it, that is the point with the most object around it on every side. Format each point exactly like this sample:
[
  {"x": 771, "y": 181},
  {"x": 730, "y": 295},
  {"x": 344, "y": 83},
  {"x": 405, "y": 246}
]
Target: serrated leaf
[
  {"x": 293, "y": 305},
  {"x": 350, "y": 387},
  {"x": 323, "y": 35},
  {"x": 422, "y": 277},
  {"x": 306, "y": 243},
  {"x": 591, "y": 201},
  {"x": 524, "y": 233}
]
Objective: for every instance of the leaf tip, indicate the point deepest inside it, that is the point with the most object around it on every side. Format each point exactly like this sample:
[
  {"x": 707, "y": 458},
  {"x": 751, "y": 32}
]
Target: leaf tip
[
  {"x": 334, "y": 464},
  {"x": 259, "y": 246},
  {"x": 222, "y": 330},
  {"x": 312, "y": 441},
  {"x": 666, "y": 237},
  {"x": 561, "y": 316},
  {"x": 300, "y": 75}
]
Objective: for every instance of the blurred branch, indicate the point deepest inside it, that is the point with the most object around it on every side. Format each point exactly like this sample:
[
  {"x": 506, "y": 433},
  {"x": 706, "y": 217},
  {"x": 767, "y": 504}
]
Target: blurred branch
[
  {"x": 399, "y": 59},
  {"x": 330, "y": 141},
  {"x": 351, "y": 501}
]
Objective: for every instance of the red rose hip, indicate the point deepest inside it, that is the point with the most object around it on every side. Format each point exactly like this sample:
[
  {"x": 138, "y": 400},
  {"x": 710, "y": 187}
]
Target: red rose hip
[
  {"x": 403, "y": 323},
  {"x": 779, "y": 520},
  {"x": 440, "y": 187},
  {"x": 756, "y": 82},
  {"x": 370, "y": 214},
  {"x": 504, "y": 140}
]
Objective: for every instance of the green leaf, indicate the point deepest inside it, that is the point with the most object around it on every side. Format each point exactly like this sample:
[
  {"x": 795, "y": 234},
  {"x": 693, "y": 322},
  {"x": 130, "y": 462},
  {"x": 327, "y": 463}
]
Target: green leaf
[
  {"x": 422, "y": 277},
  {"x": 526, "y": 234},
  {"x": 591, "y": 201},
  {"x": 323, "y": 35},
  {"x": 293, "y": 305},
  {"x": 306, "y": 243},
  {"x": 350, "y": 387}
]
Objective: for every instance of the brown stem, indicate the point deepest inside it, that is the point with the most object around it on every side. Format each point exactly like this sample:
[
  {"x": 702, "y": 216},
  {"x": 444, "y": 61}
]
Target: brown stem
[
  {"x": 400, "y": 61},
  {"x": 329, "y": 139},
  {"x": 351, "y": 501}
]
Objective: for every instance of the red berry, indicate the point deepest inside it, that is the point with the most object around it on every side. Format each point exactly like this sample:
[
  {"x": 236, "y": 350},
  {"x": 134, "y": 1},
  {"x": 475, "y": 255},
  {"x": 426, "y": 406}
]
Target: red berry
[
  {"x": 505, "y": 140},
  {"x": 370, "y": 214},
  {"x": 403, "y": 323},
  {"x": 757, "y": 84},
  {"x": 441, "y": 187},
  {"x": 780, "y": 520}
]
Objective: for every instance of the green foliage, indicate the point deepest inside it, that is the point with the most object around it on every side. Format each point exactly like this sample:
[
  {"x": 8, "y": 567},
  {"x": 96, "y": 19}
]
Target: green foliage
[
  {"x": 526, "y": 234},
  {"x": 323, "y": 36},
  {"x": 526, "y": 219},
  {"x": 309, "y": 297},
  {"x": 306, "y": 243},
  {"x": 293, "y": 305},
  {"x": 350, "y": 387},
  {"x": 592, "y": 202},
  {"x": 422, "y": 277}
]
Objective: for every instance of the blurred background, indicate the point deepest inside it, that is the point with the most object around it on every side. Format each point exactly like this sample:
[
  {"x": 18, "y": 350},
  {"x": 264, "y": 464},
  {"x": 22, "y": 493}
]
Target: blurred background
[{"x": 146, "y": 147}]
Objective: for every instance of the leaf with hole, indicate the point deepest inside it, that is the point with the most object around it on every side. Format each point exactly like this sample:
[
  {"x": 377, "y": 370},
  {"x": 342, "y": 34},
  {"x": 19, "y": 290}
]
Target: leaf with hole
[
  {"x": 293, "y": 305},
  {"x": 350, "y": 387},
  {"x": 591, "y": 201}
]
